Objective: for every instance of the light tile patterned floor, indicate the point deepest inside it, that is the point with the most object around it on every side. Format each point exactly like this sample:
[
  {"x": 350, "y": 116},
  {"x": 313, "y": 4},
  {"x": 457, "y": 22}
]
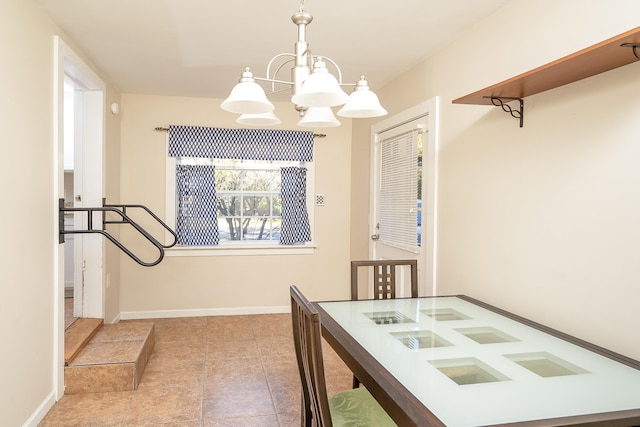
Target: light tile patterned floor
[{"x": 217, "y": 371}]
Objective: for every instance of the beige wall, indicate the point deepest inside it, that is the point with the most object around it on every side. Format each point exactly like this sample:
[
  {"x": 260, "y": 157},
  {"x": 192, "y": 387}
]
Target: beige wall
[
  {"x": 542, "y": 220},
  {"x": 26, "y": 306},
  {"x": 229, "y": 282},
  {"x": 29, "y": 217}
]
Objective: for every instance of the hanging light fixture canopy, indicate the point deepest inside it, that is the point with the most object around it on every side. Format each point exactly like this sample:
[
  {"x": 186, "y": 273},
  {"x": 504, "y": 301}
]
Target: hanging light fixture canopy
[{"x": 312, "y": 87}]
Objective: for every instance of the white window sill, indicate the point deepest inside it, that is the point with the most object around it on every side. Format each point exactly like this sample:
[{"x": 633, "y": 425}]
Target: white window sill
[{"x": 244, "y": 250}]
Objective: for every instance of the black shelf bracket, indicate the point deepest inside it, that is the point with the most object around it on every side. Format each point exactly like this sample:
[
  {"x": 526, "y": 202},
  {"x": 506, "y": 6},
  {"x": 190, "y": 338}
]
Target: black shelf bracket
[
  {"x": 502, "y": 102},
  {"x": 634, "y": 47}
]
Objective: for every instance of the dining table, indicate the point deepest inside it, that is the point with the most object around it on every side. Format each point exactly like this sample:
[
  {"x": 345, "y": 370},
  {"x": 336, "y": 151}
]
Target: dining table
[{"x": 457, "y": 361}]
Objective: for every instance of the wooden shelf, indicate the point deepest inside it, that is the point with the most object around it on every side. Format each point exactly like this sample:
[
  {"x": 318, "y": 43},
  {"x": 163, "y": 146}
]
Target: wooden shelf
[{"x": 599, "y": 58}]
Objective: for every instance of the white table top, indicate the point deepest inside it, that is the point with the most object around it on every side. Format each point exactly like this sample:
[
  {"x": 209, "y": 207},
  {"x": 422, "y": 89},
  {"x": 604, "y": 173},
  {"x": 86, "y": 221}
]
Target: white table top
[{"x": 472, "y": 366}]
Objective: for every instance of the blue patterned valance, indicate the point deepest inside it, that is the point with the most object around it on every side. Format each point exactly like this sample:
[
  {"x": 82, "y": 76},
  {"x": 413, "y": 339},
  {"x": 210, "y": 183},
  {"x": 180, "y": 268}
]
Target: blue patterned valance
[{"x": 246, "y": 144}]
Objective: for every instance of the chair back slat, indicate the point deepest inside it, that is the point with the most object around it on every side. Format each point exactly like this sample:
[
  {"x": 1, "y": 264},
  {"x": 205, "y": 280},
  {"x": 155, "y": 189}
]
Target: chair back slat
[
  {"x": 384, "y": 277},
  {"x": 384, "y": 281},
  {"x": 308, "y": 345}
]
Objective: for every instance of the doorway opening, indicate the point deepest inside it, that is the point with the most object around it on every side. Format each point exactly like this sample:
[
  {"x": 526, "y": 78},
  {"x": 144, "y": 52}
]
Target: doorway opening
[
  {"x": 72, "y": 299},
  {"x": 79, "y": 141}
]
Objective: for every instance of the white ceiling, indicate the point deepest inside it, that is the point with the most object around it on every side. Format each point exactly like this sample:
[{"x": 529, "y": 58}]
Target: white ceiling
[{"x": 200, "y": 47}]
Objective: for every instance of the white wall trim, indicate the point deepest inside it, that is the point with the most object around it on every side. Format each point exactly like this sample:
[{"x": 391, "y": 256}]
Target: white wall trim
[
  {"x": 58, "y": 189},
  {"x": 115, "y": 319},
  {"x": 67, "y": 62},
  {"x": 41, "y": 411},
  {"x": 271, "y": 249},
  {"x": 160, "y": 314}
]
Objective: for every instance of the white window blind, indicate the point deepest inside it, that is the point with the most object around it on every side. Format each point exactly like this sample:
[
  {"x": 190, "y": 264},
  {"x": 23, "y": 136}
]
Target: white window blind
[{"x": 398, "y": 190}]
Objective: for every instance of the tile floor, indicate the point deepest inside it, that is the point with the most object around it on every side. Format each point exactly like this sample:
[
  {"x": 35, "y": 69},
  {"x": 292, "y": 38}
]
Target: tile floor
[{"x": 217, "y": 371}]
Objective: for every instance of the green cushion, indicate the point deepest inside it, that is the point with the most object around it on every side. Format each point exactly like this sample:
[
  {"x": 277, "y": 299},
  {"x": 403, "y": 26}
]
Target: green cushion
[{"x": 357, "y": 407}]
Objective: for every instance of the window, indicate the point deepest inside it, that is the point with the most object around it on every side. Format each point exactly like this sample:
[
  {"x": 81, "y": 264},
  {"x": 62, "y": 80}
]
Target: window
[
  {"x": 236, "y": 188},
  {"x": 249, "y": 200},
  {"x": 400, "y": 217}
]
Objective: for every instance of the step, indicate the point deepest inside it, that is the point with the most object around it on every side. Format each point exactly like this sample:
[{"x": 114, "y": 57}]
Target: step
[
  {"x": 113, "y": 360},
  {"x": 78, "y": 335}
]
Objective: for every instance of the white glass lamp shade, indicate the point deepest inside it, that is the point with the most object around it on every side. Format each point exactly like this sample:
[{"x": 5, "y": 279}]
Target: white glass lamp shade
[
  {"x": 264, "y": 119},
  {"x": 362, "y": 103},
  {"x": 320, "y": 89},
  {"x": 247, "y": 97},
  {"x": 320, "y": 117}
]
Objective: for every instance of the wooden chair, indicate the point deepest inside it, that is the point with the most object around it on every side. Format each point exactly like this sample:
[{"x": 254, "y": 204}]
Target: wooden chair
[
  {"x": 347, "y": 408},
  {"x": 383, "y": 281},
  {"x": 384, "y": 277}
]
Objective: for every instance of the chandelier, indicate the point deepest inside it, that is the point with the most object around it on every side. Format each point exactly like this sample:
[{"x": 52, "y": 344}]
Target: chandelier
[{"x": 314, "y": 89}]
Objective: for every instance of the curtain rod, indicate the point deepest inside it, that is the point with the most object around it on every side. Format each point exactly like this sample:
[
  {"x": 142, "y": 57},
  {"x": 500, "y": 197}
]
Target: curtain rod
[{"x": 163, "y": 129}]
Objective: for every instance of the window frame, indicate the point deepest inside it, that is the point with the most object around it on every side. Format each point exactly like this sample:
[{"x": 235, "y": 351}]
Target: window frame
[{"x": 245, "y": 247}]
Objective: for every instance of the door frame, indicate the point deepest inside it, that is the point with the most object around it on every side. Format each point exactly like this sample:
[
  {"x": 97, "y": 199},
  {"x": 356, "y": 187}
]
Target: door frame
[
  {"x": 67, "y": 63},
  {"x": 430, "y": 109}
]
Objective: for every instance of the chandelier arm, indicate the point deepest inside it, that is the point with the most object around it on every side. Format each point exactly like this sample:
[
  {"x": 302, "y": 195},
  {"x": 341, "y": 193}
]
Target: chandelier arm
[
  {"x": 265, "y": 79},
  {"x": 278, "y": 69},
  {"x": 273, "y": 83},
  {"x": 275, "y": 73}
]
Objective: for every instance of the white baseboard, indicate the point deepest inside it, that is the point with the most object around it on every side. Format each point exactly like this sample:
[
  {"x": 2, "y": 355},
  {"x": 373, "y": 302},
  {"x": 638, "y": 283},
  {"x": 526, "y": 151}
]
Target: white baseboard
[
  {"x": 159, "y": 314},
  {"x": 115, "y": 319},
  {"x": 41, "y": 412}
]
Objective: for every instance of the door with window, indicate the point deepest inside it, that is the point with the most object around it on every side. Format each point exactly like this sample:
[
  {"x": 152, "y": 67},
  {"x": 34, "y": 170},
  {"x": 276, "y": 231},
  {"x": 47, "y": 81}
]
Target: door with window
[{"x": 403, "y": 193}]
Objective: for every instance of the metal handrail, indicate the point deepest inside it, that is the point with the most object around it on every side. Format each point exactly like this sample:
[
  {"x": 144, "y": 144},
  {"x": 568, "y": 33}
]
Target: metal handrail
[
  {"x": 125, "y": 219},
  {"x": 154, "y": 216}
]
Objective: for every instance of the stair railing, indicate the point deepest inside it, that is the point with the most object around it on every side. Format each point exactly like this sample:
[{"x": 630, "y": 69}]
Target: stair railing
[{"x": 121, "y": 212}]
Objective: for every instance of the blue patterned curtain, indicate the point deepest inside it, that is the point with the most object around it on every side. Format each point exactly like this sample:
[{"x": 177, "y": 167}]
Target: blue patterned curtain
[
  {"x": 295, "y": 218},
  {"x": 196, "y": 222},
  {"x": 244, "y": 144}
]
